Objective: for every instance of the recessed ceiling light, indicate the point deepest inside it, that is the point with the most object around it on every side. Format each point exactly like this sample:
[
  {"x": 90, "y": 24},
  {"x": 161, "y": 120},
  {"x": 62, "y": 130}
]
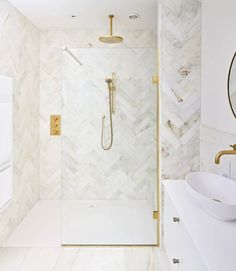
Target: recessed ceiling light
[{"x": 134, "y": 16}]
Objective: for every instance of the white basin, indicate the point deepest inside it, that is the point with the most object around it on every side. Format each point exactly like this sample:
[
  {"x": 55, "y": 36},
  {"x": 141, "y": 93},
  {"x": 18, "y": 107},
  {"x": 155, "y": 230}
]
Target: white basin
[{"x": 215, "y": 194}]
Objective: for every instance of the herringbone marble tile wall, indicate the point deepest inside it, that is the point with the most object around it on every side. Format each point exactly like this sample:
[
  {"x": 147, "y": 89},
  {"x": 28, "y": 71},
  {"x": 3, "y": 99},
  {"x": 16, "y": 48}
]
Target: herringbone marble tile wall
[
  {"x": 51, "y": 43},
  {"x": 19, "y": 55},
  {"x": 180, "y": 86},
  {"x": 129, "y": 169}
]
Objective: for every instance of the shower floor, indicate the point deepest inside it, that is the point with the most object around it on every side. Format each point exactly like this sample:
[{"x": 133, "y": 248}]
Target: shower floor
[{"x": 72, "y": 222}]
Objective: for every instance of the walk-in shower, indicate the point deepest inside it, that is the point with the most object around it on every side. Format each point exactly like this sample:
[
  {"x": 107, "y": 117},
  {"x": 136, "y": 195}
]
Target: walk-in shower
[
  {"x": 99, "y": 197},
  {"x": 109, "y": 197},
  {"x": 102, "y": 197},
  {"x": 84, "y": 167}
]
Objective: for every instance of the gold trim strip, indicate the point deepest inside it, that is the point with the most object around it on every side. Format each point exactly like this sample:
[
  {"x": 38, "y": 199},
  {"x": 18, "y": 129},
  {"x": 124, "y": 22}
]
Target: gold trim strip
[
  {"x": 108, "y": 246},
  {"x": 158, "y": 149}
]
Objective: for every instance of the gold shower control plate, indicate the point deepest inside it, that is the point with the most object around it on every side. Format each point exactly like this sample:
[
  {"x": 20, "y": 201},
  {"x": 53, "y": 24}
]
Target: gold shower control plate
[{"x": 55, "y": 125}]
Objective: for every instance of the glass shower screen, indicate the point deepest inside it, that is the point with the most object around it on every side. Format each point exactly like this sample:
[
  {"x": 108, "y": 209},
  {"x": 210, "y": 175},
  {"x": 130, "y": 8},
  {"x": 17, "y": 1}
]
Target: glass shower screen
[{"x": 109, "y": 196}]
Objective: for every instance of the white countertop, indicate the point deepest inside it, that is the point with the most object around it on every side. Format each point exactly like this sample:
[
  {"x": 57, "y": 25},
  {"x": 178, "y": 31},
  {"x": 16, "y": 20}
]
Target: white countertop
[{"x": 214, "y": 239}]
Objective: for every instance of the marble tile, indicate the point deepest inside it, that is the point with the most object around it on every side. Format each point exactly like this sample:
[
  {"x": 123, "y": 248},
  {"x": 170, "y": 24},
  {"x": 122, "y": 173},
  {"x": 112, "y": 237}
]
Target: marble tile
[
  {"x": 138, "y": 259},
  {"x": 126, "y": 170},
  {"x": 12, "y": 259},
  {"x": 99, "y": 259},
  {"x": 19, "y": 54},
  {"x": 66, "y": 259},
  {"x": 39, "y": 259},
  {"x": 180, "y": 39},
  {"x": 84, "y": 258},
  {"x": 161, "y": 260}
]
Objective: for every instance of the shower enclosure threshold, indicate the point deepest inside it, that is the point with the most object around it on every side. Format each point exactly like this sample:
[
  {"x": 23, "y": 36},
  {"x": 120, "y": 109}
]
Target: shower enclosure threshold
[
  {"x": 86, "y": 222},
  {"x": 108, "y": 222}
]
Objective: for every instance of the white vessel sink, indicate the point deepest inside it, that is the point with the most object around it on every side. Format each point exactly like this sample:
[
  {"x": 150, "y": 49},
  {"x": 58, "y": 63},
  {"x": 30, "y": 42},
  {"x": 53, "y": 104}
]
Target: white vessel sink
[{"x": 215, "y": 194}]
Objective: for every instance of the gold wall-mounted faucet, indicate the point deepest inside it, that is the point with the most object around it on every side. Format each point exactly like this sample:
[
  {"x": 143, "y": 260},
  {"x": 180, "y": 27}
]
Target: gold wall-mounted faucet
[{"x": 225, "y": 152}]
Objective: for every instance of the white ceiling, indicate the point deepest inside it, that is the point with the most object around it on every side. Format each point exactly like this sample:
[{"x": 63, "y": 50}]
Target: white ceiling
[{"x": 91, "y": 14}]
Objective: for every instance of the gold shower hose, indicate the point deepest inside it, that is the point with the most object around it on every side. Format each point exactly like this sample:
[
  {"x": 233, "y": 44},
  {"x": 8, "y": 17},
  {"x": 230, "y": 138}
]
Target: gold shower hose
[{"x": 103, "y": 120}]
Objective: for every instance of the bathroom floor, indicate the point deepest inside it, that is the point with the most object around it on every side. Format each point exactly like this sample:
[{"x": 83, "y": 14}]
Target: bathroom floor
[
  {"x": 117, "y": 222},
  {"x": 36, "y": 242},
  {"x": 40, "y": 228},
  {"x": 83, "y": 259}
]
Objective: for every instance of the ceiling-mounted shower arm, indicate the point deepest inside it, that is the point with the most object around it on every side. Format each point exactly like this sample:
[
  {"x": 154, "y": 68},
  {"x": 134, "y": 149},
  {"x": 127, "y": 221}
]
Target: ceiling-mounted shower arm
[
  {"x": 111, "y": 24},
  {"x": 111, "y": 38},
  {"x": 72, "y": 55}
]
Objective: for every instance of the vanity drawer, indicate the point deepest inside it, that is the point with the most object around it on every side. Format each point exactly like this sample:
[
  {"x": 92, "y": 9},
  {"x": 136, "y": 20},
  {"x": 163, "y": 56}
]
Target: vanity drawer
[{"x": 182, "y": 254}]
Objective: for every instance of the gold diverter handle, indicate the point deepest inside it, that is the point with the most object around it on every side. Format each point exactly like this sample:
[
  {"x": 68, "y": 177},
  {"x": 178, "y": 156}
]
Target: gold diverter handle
[{"x": 111, "y": 88}]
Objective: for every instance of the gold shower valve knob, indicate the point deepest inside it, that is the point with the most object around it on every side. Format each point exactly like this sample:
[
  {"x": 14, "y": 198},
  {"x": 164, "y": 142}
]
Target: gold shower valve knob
[{"x": 55, "y": 125}]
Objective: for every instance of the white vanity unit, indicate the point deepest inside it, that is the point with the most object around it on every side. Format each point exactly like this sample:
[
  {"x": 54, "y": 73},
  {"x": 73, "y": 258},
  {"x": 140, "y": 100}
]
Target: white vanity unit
[{"x": 194, "y": 240}]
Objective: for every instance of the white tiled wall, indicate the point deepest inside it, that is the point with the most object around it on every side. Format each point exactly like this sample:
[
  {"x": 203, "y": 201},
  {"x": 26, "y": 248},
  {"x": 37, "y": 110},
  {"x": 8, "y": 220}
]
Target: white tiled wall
[
  {"x": 129, "y": 169},
  {"x": 180, "y": 86},
  {"x": 19, "y": 55},
  {"x": 51, "y": 98}
]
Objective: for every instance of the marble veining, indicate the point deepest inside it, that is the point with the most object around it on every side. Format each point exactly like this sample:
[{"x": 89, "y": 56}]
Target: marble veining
[
  {"x": 19, "y": 54},
  {"x": 129, "y": 168},
  {"x": 180, "y": 87},
  {"x": 80, "y": 259},
  {"x": 51, "y": 43}
]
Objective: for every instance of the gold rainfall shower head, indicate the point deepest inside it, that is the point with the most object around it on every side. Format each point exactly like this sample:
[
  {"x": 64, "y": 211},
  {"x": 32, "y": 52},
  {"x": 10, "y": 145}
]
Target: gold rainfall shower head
[{"x": 111, "y": 38}]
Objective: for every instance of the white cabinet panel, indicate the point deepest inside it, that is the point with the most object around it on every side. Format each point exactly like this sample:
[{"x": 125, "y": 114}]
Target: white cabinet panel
[{"x": 178, "y": 244}]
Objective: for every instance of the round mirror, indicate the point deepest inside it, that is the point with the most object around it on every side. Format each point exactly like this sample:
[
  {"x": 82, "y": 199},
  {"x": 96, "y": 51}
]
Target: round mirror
[{"x": 232, "y": 85}]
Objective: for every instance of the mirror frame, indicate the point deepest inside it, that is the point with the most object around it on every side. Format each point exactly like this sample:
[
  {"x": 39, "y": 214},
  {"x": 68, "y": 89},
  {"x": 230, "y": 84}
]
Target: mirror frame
[{"x": 228, "y": 82}]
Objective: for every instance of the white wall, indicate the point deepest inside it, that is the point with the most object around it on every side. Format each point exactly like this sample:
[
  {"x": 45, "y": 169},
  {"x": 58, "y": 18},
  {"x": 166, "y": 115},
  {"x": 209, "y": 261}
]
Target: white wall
[{"x": 218, "y": 47}]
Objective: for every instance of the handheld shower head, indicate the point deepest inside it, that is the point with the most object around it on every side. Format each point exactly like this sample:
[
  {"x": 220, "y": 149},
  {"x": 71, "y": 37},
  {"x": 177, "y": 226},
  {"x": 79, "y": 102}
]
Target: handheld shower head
[{"x": 108, "y": 80}]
